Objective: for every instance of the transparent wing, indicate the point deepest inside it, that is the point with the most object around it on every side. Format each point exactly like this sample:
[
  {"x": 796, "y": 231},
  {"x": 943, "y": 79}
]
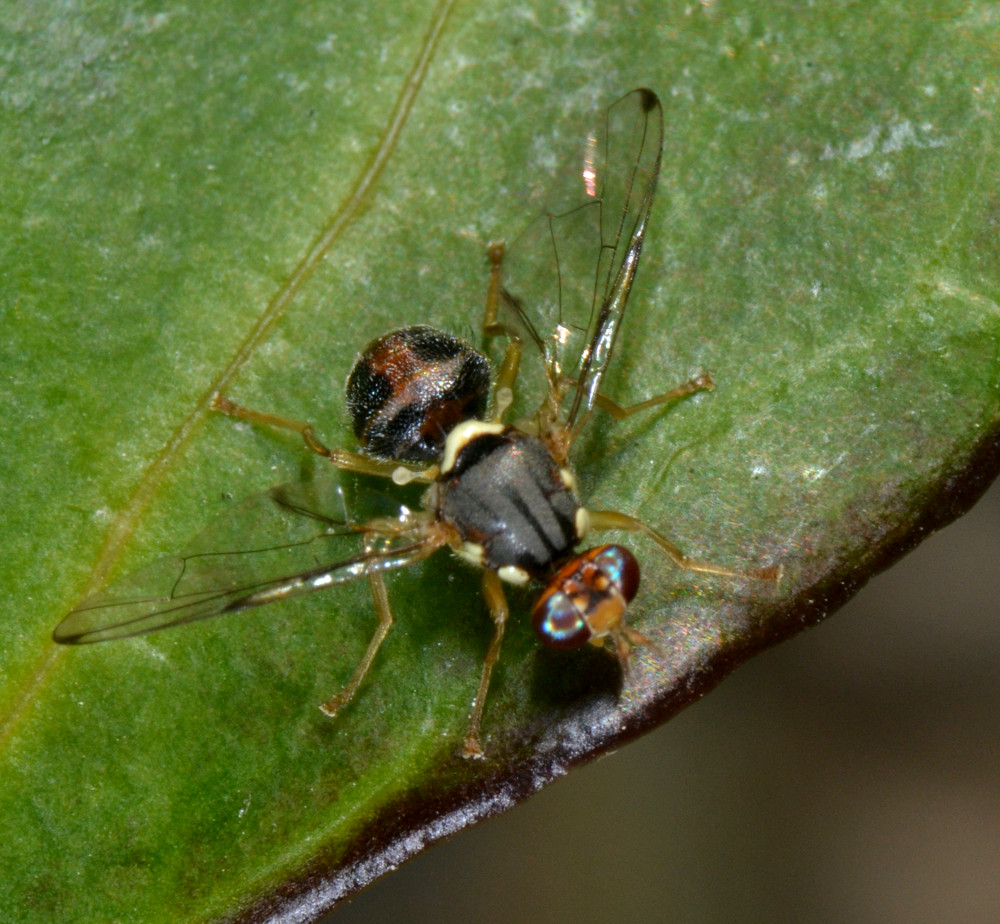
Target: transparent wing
[
  {"x": 567, "y": 280},
  {"x": 290, "y": 541}
]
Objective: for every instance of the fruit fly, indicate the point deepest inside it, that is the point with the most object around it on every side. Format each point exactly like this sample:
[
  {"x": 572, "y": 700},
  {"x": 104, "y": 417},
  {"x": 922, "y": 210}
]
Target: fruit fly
[{"x": 428, "y": 408}]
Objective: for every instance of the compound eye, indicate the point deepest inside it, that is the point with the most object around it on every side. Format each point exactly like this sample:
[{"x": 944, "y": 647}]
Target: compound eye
[
  {"x": 619, "y": 566},
  {"x": 559, "y": 622},
  {"x": 587, "y": 597}
]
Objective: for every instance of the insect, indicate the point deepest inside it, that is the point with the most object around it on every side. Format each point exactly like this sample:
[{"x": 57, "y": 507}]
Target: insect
[{"x": 500, "y": 494}]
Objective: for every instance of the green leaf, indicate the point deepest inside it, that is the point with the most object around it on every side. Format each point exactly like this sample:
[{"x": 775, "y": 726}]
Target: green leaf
[{"x": 824, "y": 242}]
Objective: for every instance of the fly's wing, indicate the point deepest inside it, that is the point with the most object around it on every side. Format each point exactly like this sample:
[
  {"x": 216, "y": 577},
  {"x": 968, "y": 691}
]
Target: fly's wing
[
  {"x": 290, "y": 541},
  {"x": 567, "y": 280},
  {"x": 634, "y": 147}
]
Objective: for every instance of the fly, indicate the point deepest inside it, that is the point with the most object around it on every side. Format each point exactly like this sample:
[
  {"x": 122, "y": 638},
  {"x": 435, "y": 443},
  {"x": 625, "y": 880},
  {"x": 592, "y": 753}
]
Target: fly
[{"x": 429, "y": 408}]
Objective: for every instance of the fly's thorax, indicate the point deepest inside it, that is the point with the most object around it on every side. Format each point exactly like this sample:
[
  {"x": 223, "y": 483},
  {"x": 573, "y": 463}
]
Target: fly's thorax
[{"x": 514, "y": 508}]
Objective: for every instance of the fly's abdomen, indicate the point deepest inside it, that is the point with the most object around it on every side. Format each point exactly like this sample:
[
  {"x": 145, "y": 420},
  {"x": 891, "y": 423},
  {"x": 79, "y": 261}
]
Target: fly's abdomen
[{"x": 410, "y": 387}]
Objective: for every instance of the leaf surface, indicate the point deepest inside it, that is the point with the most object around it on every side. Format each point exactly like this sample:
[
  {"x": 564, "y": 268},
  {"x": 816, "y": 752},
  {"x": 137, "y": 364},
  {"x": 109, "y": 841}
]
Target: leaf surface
[{"x": 824, "y": 241}]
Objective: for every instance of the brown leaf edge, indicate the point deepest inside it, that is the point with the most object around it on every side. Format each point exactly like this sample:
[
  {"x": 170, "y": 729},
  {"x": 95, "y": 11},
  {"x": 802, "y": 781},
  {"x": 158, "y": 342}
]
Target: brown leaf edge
[{"x": 419, "y": 820}]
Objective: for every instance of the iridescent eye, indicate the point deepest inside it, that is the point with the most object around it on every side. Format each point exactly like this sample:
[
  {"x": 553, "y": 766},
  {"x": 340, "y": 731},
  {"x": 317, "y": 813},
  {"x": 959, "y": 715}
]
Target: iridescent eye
[
  {"x": 558, "y": 620},
  {"x": 410, "y": 388},
  {"x": 620, "y": 567},
  {"x": 587, "y": 597}
]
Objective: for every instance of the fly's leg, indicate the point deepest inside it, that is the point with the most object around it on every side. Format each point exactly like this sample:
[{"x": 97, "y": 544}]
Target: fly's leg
[
  {"x": 561, "y": 438},
  {"x": 503, "y": 391},
  {"x": 699, "y": 383},
  {"x": 333, "y": 705},
  {"x": 350, "y": 461},
  {"x": 496, "y": 599},
  {"x": 612, "y": 519}
]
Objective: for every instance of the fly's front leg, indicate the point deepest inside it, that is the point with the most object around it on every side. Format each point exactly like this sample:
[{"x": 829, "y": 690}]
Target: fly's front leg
[
  {"x": 350, "y": 461},
  {"x": 503, "y": 391},
  {"x": 496, "y": 599},
  {"x": 699, "y": 383},
  {"x": 612, "y": 519}
]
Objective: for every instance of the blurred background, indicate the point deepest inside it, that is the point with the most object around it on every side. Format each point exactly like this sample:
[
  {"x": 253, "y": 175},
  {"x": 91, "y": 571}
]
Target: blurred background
[{"x": 849, "y": 775}]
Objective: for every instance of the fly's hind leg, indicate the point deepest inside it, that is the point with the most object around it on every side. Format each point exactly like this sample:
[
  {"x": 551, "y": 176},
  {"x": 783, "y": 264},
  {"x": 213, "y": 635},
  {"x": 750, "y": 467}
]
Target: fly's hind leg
[
  {"x": 503, "y": 391},
  {"x": 496, "y": 599},
  {"x": 350, "y": 461},
  {"x": 333, "y": 705},
  {"x": 612, "y": 519},
  {"x": 699, "y": 383},
  {"x": 377, "y": 532}
]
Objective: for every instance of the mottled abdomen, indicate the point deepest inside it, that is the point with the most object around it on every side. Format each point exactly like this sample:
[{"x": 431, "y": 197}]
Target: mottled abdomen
[{"x": 408, "y": 389}]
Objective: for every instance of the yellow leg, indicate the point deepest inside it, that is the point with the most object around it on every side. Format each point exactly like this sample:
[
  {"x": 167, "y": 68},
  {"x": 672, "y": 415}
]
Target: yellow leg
[
  {"x": 496, "y": 599},
  {"x": 493, "y": 327},
  {"x": 350, "y": 461},
  {"x": 333, "y": 705},
  {"x": 612, "y": 519},
  {"x": 702, "y": 382}
]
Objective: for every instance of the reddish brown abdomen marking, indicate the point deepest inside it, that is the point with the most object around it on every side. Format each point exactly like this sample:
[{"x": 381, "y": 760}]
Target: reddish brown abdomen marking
[{"x": 408, "y": 389}]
